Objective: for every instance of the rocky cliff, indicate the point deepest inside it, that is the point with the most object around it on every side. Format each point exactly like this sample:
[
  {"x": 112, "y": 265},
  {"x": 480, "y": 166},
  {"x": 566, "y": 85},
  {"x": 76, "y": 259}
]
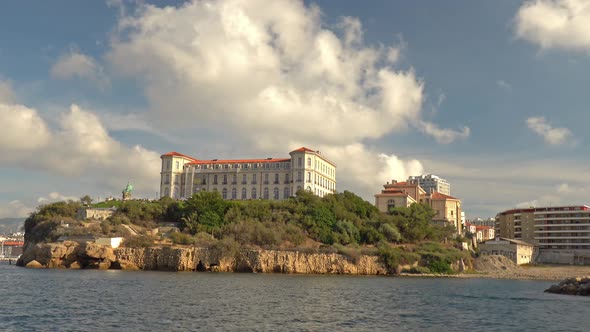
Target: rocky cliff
[{"x": 74, "y": 255}]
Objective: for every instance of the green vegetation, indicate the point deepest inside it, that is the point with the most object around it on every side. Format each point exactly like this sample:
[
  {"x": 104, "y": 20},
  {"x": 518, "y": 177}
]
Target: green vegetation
[{"x": 343, "y": 223}]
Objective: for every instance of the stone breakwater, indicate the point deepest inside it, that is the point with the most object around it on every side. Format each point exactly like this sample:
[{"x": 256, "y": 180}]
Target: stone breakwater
[
  {"x": 93, "y": 256},
  {"x": 572, "y": 286}
]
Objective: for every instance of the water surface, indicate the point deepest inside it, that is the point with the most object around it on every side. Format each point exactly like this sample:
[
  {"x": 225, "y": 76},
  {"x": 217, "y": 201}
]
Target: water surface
[{"x": 85, "y": 300}]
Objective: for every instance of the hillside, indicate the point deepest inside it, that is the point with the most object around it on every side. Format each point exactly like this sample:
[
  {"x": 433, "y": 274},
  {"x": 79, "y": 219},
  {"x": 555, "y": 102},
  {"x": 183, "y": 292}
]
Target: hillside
[
  {"x": 340, "y": 223},
  {"x": 11, "y": 225}
]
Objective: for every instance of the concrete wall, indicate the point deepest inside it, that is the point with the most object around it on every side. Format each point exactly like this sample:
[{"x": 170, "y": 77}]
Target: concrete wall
[
  {"x": 519, "y": 254},
  {"x": 97, "y": 214},
  {"x": 571, "y": 257}
]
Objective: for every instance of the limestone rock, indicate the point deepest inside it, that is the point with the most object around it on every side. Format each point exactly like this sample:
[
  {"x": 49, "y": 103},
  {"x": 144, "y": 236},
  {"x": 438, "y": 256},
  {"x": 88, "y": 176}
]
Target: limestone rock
[
  {"x": 34, "y": 265},
  {"x": 75, "y": 265}
]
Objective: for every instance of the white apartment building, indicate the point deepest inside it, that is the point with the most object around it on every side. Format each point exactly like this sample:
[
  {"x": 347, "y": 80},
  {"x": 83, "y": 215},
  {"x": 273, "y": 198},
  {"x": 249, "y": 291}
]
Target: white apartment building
[
  {"x": 270, "y": 178},
  {"x": 431, "y": 183}
]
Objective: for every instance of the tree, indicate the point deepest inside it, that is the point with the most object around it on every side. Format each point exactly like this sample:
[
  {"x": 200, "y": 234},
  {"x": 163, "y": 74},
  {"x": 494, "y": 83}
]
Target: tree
[{"x": 86, "y": 200}]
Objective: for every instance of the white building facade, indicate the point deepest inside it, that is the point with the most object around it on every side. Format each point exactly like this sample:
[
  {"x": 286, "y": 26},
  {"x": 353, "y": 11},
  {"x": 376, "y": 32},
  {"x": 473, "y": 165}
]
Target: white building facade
[
  {"x": 240, "y": 179},
  {"x": 431, "y": 183}
]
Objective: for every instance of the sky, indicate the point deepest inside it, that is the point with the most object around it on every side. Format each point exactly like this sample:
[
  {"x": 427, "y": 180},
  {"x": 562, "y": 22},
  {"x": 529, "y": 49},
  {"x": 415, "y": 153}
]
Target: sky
[{"x": 489, "y": 95}]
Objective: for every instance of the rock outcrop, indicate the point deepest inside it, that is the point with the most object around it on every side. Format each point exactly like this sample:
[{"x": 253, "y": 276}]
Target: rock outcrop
[
  {"x": 572, "y": 286},
  {"x": 263, "y": 261},
  {"x": 92, "y": 256}
]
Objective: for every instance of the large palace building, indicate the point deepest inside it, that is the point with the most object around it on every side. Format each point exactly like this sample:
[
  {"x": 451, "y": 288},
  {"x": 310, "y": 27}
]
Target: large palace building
[{"x": 271, "y": 178}]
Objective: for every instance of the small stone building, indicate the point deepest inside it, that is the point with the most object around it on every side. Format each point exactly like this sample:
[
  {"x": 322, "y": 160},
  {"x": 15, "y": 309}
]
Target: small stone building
[{"x": 518, "y": 251}]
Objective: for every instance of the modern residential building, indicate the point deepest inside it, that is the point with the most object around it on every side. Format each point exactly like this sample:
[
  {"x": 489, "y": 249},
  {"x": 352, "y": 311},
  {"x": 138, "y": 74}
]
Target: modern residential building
[
  {"x": 483, "y": 222},
  {"x": 484, "y": 233},
  {"x": 271, "y": 178},
  {"x": 447, "y": 209},
  {"x": 431, "y": 183},
  {"x": 562, "y": 233}
]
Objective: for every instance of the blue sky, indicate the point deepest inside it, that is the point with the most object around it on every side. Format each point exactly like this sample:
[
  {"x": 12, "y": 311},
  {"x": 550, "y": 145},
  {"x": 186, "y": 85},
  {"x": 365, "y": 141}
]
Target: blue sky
[{"x": 489, "y": 95}]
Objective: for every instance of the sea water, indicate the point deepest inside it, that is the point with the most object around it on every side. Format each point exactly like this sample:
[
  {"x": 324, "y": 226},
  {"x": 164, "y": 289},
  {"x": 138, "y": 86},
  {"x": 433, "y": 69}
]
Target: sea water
[{"x": 91, "y": 300}]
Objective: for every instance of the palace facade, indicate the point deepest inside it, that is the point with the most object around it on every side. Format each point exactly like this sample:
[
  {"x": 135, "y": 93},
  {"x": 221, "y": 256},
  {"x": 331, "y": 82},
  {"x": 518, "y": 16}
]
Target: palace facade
[{"x": 240, "y": 179}]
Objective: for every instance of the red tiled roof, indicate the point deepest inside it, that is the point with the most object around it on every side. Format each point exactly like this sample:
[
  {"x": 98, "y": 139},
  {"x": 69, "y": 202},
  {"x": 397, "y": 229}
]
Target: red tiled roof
[
  {"x": 397, "y": 194},
  {"x": 239, "y": 161},
  {"x": 303, "y": 149},
  {"x": 14, "y": 243},
  {"x": 176, "y": 154},
  {"x": 437, "y": 195}
]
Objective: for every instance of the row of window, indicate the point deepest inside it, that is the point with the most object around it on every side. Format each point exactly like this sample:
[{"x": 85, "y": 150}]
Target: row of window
[
  {"x": 233, "y": 194},
  {"x": 268, "y": 165}
]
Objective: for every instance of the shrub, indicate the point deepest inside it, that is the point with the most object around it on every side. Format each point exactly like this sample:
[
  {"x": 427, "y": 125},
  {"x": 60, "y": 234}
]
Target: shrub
[
  {"x": 418, "y": 270},
  {"x": 139, "y": 241},
  {"x": 181, "y": 238},
  {"x": 439, "y": 266}
]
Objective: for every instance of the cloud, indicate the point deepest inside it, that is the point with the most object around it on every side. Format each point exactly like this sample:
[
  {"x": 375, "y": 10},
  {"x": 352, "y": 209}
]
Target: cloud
[
  {"x": 555, "y": 24},
  {"x": 552, "y": 136},
  {"x": 56, "y": 197},
  {"x": 503, "y": 84},
  {"x": 443, "y": 136},
  {"x": 267, "y": 74},
  {"x": 80, "y": 66},
  {"x": 7, "y": 94},
  {"x": 80, "y": 149},
  {"x": 14, "y": 209}
]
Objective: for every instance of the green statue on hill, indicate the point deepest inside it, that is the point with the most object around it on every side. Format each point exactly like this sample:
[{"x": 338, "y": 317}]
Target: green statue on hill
[{"x": 127, "y": 192}]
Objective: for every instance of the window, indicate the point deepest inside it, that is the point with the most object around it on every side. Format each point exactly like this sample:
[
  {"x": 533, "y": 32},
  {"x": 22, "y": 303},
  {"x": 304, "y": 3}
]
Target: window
[
  {"x": 204, "y": 181},
  {"x": 177, "y": 165},
  {"x": 215, "y": 179},
  {"x": 287, "y": 178},
  {"x": 224, "y": 193},
  {"x": 253, "y": 193},
  {"x": 167, "y": 181},
  {"x": 234, "y": 193},
  {"x": 308, "y": 162},
  {"x": 265, "y": 178},
  {"x": 276, "y": 178},
  {"x": 234, "y": 179},
  {"x": 243, "y": 193},
  {"x": 286, "y": 193},
  {"x": 167, "y": 164},
  {"x": 299, "y": 162},
  {"x": 253, "y": 178},
  {"x": 224, "y": 178},
  {"x": 299, "y": 176},
  {"x": 275, "y": 193},
  {"x": 244, "y": 180},
  {"x": 265, "y": 196},
  {"x": 308, "y": 176},
  {"x": 390, "y": 204}
]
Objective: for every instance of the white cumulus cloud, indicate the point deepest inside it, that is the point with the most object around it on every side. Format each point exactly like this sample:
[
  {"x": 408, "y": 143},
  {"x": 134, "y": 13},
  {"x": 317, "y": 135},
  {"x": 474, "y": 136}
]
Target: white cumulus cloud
[
  {"x": 7, "y": 94},
  {"x": 80, "y": 149},
  {"x": 443, "y": 135},
  {"x": 14, "y": 209},
  {"x": 551, "y": 135},
  {"x": 77, "y": 65},
  {"x": 558, "y": 24},
  {"x": 269, "y": 73}
]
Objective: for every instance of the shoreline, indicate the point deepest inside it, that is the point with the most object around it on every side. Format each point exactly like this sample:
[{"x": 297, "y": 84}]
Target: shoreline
[{"x": 540, "y": 273}]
